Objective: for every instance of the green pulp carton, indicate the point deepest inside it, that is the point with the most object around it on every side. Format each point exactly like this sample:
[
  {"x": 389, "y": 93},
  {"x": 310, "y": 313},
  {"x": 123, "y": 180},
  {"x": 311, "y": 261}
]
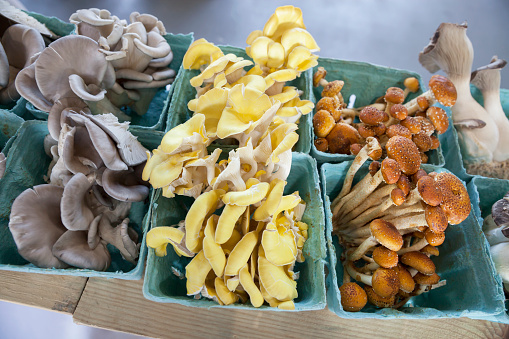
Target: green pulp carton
[
  {"x": 27, "y": 164},
  {"x": 162, "y": 285},
  {"x": 155, "y": 118},
  {"x": 184, "y": 92},
  {"x": 484, "y": 192},
  {"x": 9, "y": 125},
  {"x": 367, "y": 82},
  {"x": 472, "y": 288}
]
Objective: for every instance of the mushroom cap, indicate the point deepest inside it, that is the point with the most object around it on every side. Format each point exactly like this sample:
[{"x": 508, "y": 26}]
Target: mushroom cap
[
  {"x": 422, "y": 141},
  {"x": 435, "y": 142},
  {"x": 374, "y": 167},
  {"x": 386, "y": 234},
  {"x": 385, "y": 282},
  {"x": 319, "y": 75},
  {"x": 341, "y": 137},
  {"x": 353, "y": 297},
  {"x": 455, "y": 202},
  {"x": 371, "y": 115},
  {"x": 429, "y": 280},
  {"x": 390, "y": 171},
  {"x": 429, "y": 191},
  {"x": 379, "y": 129},
  {"x": 431, "y": 250},
  {"x": 434, "y": 239},
  {"x": 394, "y": 95},
  {"x": 405, "y": 152},
  {"x": 75, "y": 213},
  {"x": 443, "y": 89},
  {"x": 438, "y": 118},
  {"x": 419, "y": 261},
  {"x": 436, "y": 219},
  {"x": 377, "y": 300},
  {"x": 124, "y": 185},
  {"x": 412, "y": 84},
  {"x": 366, "y": 131},
  {"x": 330, "y": 104},
  {"x": 72, "y": 248},
  {"x": 500, "y": 212},
  {"x": 399, "y": 112},
  {"x": 35, "y": 224},
  {"x": 398, "y": 196},
  {"x": 413, "y": 125},
  {"x": 355, "y": 148},
  {"x": 21, "y": 43},
  {"x": 406, "y": 282},
  {"x": 385, "y": 257},
  {"x": 418, "y": 175},
  {"x": 404, "y": 184},
  {"x": 423, "y": 103},
  {"x": 322, "y": 144},
  {"x": 332, "y": 88},
  {"x": 426, "y": 125},
  {"x": 400, "y": 130},
  {"x": 323, "y": 123}
]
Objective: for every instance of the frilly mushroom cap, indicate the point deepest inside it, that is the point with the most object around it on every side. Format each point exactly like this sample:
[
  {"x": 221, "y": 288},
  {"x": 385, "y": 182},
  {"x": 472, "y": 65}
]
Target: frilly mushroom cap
[
  {"x": 72, "y": 248},
  {"x": 91, "y": 66},
  {"x": 301, "y": 59},
  {"x": 443, "y": 89},
  {"x": 488, "y": 77},
  {"x": 377, "y": 300},
  {"x": 35, "y": 224},
  {"x": 455, "y": 203},
  {"x": 196, "y": 273},
  {"x": 371, "y": 115},
  {"x": 390, "y": 171},
  {"x": 394, "y": 95},
  {"x": 341, "y": 137},
  {"x": 332, "y": 88},
  {"x": 385, "y": 257},
  {"x": 353, "y": 297},
  {"x": 201, "y": 52},
  {"x": 429, "y": 191},
  {"x": 438, "y": 118},
  {"x": 386, "y": 234},
  {"x": 124, "y": 185},
  {"x": 75, "y": 213},
  {"x": 405, "y": 152},
  {"x": 429, "y": 280},
  {"x": 436, "y": 219},
  {"x": 323, "y": 123},
  {"x": 419, "y": 261},
  {"x": 406, "y": 282},
  {"x": 283, "y": 19},
  {"x": 434, "y": 239},
  {"x": 399, "y": 112},
  {"x": 275, "y": 280},
  {"x": 385, "y": 282},
  {"x": 298, "y": 37},
  {"x": 21, "y": 43},
  {"x": 26, "y": 85},
  {"x": 400, "y": 130}
]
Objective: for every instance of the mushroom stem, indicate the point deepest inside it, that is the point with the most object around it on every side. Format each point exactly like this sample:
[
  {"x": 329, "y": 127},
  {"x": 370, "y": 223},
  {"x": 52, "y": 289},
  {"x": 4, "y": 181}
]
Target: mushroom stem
[
  {"x": 497, "y": 235},
  {"x": 363, "y": 248},
  {"x": 369, "y": 209},
  {"x": 401, "y": 223},
  {"x": 419, "y": 245},
  {"x": 364, "y": 278},
  {"x": 119, "y": 237}
]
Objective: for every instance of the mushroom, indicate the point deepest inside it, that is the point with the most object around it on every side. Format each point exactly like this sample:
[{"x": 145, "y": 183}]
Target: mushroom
[
  {"x": 353, "y": 297},
  {"x": 36, "y": 226},
  {"x": 451, "y": 50},
  {"x": 499, "y": 255},
  {"x": 499, "y": 220}
]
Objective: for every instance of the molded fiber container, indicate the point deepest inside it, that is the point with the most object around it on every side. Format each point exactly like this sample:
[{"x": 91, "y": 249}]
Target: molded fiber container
[
  {"x": 184, "y": 92},
  {"x": 162, "y": 285},
  {"x": 9, "y": 125},
  {"x": 484, "y": 192},
  {"x": 26, "y": 169},
  {"x": 367, "y": 82},
  {"x": 57, "y": 26},
  {"x": 155, "y": 118},
  {"x": 449, "y": 140},
  {"x": 472, "y": 288}
]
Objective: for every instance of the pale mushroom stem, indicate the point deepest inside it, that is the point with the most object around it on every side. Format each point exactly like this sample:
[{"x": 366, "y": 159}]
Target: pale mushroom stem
[
  {"x": 364, "y": 278},
  {"x": 363, "y": 248},
  {"x": 419, "y": 245},
  {"x": 371, "y": 205},
  {"x": 401, "y": 223},
  {"x": 119, "y": 237}
]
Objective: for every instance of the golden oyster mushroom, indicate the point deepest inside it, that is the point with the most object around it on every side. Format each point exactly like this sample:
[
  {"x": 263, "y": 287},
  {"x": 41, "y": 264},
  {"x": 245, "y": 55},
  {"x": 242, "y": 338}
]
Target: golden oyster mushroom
[{"x": 201, "y": 52}]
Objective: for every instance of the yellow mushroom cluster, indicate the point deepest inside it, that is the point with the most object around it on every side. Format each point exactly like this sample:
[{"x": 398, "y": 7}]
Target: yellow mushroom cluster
[{"x": 248, "y": 251}]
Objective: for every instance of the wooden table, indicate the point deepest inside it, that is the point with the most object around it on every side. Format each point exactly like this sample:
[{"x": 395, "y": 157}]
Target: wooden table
[{"x": 119, "y": 305}]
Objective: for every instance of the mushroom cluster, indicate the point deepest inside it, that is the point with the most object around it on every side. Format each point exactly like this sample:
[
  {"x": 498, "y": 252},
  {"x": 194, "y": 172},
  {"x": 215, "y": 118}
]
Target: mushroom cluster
[
  {"x": 19, "y": 44},
  {"x": 391, "y": 222},
  {"x": 244, "y": 235},
  {"x": 338, "y": 130},
  {"x": 482, "y": 131},
  {"x": 496, "y": 230},
  {"x": 108, "y": 65},
  {"x": 93, "y": 178}
]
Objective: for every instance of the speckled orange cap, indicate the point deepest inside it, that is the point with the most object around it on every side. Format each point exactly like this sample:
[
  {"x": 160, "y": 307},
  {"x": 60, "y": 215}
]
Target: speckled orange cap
[
  {"x": 438, "y": 118},
  {"x": 386, "y": 234},
  {"x": 371, "y": 115},
  {"x": 400, "y": 130},
  {"x": 429, "y": 280},
  {"x": 341, "y": 137},
  {"x": 332, "y": 88},
  {"x": 385, "y": 257},
  {"x": 377, "y": 300},
  {"x": 319, "y": 75},
  {"x": 455, "y": 202},
  {"x": 419, "y": 261},
  {"x": 406, "y": 282},
  {"x": 405, "y": 152},
  {"x": 390, "y": 170},
  {"x": 385, "y": 282},
  {"x": 443, "y": 90},
  {"x": 353, "y": 297},
  {"x": 436, "y": 219},
  {"x": 434, "y": 239},
  {"x": 429, "y": 191}
]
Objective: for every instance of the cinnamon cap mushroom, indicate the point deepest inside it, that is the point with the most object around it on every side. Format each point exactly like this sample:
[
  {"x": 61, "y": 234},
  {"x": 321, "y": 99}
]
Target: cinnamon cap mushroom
[
  {"x": 455, "y": 203},
  {"x": 353, "y": 297},
  {"x": 405, "y": 152}
]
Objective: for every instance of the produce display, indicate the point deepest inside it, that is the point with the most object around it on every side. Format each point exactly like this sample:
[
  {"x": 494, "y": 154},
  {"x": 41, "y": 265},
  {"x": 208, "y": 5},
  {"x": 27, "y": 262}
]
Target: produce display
[
  {"x": 249, "y": 249},
  {"x": 243, "y": 236},
  {"x": 482, "y": 131},
  {"x": 391, "y": 222},
  {"x": 345, "y": 130}
]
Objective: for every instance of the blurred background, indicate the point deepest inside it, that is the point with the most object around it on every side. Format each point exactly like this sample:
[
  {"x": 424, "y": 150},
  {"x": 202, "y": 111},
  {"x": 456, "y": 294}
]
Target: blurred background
[{"x": 386, "y": 32}]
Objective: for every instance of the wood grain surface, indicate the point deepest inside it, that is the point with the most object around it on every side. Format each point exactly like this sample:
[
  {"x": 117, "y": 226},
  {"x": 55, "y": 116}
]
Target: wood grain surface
[
  {"x": 119, "y": 305},
  {"x": 53, "y": 292}
]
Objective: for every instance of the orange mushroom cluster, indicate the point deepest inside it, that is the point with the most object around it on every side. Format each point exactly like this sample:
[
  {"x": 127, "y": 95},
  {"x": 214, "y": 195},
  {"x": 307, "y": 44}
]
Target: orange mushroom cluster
[
  {"x": 338, "y": 130},
  {"x": 390, "y": 224}
]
